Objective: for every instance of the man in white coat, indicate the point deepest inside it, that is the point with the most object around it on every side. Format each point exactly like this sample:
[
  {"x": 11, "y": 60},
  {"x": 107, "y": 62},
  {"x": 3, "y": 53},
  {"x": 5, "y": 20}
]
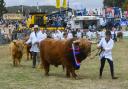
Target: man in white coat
[
  {"x": 69, "y": 35},
  {"x": 34, "y": 40},
  {"x": 55, "y": 35},
  {"x": 106, "y": 45},
  {"x": 114, "y": 34},
  {"x": 101, "y": 34},
  {"x": 60, "y": 34},
  {"x": 79, "y": 34},
  {"x": 89, "y": 35},
  {"x": 41, "y": 35}
]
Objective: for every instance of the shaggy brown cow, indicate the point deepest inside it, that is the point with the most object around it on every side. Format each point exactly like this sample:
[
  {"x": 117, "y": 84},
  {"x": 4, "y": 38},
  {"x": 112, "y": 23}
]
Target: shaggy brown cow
[
  {"x": 69, "y": 53},
  {"x": 16, "y": 47},
  {"x": 120, "y": 36}
]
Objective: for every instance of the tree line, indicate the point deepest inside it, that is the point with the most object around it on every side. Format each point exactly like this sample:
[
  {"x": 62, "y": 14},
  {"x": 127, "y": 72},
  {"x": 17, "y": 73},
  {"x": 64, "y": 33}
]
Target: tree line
[
  {"x": 49, "y": 9},
  {"x": 116, "y": 3}
]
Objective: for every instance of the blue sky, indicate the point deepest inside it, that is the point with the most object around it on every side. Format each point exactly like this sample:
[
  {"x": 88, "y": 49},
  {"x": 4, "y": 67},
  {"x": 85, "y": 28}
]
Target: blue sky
[{"x": 73, "y": 3}]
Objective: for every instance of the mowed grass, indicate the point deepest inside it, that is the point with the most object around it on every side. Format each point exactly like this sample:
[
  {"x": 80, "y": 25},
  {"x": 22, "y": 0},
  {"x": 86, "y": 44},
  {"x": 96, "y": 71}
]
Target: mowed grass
[{"x": 25, "y": 77}]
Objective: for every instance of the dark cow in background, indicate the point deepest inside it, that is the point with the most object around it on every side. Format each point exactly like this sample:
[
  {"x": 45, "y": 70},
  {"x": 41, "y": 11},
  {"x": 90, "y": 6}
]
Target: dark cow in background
[
  {"x": 69, "y": 53},
  {"x": 27, "y": 48},
  {"x": 27, "y": 51},
  {"x": 119, "y": 36}
]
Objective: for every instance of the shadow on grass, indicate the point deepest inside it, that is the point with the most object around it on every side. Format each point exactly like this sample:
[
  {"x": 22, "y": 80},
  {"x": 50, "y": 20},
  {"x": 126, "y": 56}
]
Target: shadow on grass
[{"x": 79, "y": 77}]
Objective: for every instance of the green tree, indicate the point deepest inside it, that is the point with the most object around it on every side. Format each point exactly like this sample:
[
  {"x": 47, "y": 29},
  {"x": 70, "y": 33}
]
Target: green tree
[
  {"x": 114, "y": 3},
  {"x": 2, "y": 7},
  {"x": 119, "y": 3},
  {"x": 125, "y": 5},
  {"x": 108, "y": 3}
]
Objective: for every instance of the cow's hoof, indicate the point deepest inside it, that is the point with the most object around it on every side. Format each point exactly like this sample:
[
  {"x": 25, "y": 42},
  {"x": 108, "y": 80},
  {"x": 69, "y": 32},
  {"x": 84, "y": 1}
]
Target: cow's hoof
[
  {"x": 33, "y": 67},
  {"x": 14, "y": 66},
  {"x": 68, "y": 76},
  {"x": 46, "y": 74},
  {"x": 76, "y": 78}
]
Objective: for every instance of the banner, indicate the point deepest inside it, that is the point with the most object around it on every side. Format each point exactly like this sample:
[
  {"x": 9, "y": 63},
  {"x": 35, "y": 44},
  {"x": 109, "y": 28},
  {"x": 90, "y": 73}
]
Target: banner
[
  {"x": 13, "y": 16},
  {"x": 64, "y": 3},
  {"x": 57, "y": 3}
]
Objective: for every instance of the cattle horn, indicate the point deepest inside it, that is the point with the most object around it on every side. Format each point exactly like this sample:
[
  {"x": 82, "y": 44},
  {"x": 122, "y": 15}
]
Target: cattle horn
[
  {"x": 76, "y": 41},
  {"x": 14, "y": 41},
  {"x": 93, "y": 42}
]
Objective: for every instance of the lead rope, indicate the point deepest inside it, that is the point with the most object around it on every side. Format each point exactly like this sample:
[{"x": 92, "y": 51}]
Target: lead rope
[{"x": 96, "y": 54}]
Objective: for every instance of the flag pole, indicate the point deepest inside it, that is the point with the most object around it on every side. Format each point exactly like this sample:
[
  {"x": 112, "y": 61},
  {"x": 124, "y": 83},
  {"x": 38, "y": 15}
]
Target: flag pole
[{"x": 22, "y": 7}]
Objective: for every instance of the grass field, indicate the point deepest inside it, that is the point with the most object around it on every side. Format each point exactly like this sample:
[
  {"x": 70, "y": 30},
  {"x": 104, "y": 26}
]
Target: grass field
[{"x": 24, "y": 77}]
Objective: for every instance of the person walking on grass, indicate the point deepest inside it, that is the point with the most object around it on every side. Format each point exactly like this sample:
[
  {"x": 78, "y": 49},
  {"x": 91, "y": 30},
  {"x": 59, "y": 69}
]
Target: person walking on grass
[
  {"x": 106, "y": 45},
  {"x": 33, "y": 39}
]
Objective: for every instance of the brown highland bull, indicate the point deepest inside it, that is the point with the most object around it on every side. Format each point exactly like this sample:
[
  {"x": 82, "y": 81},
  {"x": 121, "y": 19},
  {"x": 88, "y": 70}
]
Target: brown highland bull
[{"x": 69, "y": 53}]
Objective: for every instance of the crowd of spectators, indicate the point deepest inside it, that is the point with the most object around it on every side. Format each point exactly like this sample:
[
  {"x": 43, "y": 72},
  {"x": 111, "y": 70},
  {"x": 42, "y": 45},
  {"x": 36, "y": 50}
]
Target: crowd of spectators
[{"x": 56, "y": 21}]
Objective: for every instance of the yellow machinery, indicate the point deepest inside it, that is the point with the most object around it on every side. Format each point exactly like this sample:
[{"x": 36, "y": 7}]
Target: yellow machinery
[{"x": 40, "y": 19}]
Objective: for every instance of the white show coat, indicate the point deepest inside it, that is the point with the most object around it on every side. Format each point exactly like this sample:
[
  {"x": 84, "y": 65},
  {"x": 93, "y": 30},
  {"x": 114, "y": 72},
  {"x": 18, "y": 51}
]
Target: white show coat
[
  {"x": 41, "y": 36},
  {"x": 107, "y": 47},
  {"x": 60, "y": 35},
  {"x": 69, "y": 36},
  {"x": 89, "y": 35},
  {"x": 45, "y": 35},
  {"x": 55, "y": 36},
  {"x": 113, "y": 33},
  {"x": 33, "y": 39},
  {"x": 79, "y": 34},
  {"x": 101, "y": 34}
]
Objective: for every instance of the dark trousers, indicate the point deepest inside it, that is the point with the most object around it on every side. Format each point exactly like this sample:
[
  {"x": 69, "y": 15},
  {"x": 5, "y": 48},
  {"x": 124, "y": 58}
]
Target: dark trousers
[
  {"x": 110, "y": 64},
  {"x": 34, "y": 55}
]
